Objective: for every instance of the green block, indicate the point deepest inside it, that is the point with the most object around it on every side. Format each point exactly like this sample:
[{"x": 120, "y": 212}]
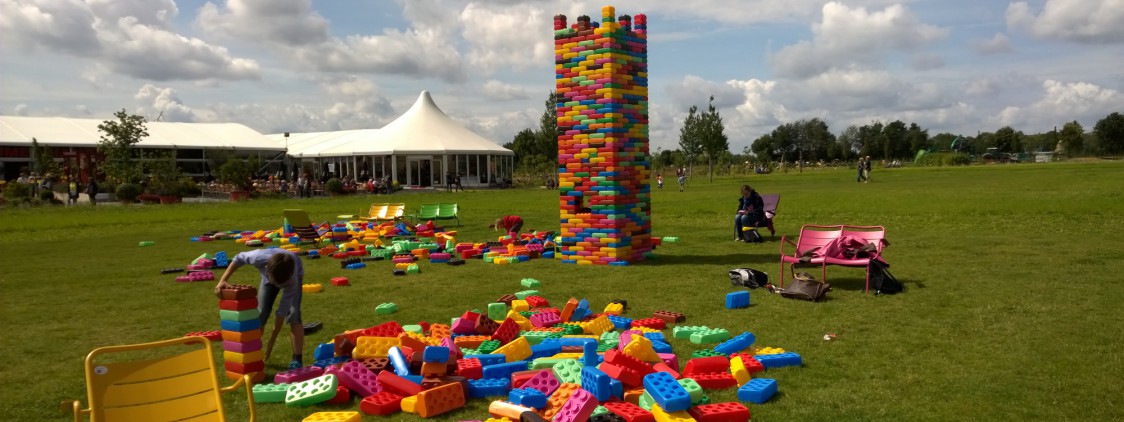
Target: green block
[
  {"x": 685, "y": 331},
  {"x": 670, "y": 239},
  {"x": 386, "y": 309},
  {"x": 523, "y": 294},
  {"x": 599, "y": 410},
  {"x": 530, "y": 283},
  {"x": 412, "y": 328},
  {"x": 243, "y": 315},
  {"x": 693, "y": 389},
  {"x": 710, "y": 336},
  {"x": 497, "y": 311},
  {"x": 313, "y": 391},
  {"x": 605, "y": 347},
  {"x": 704, "y": 353},
  {"x": 194, "y": 261},
  {"x": 646, "y": 401},
  {"x": 570, "y": 328},
  {"x": 488, "y": 347},
  {"x": 544, "y": 363},
  {"x": 569, "y": 370},
  {"x": 466, "y": 351},
  {"x": 527, "y": 314},
  {"x": 705, "y": 400},
  {"x": 270, "y": 393},
  {"x": 413, "y": 269}
]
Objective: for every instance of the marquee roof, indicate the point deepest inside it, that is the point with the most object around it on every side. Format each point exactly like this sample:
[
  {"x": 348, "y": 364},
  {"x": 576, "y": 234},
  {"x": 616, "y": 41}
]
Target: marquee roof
[{"x": 68, "y": 132}]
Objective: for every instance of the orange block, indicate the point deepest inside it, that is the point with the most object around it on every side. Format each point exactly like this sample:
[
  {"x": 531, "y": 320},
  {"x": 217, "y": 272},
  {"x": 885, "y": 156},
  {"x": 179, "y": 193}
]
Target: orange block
[
  {"x": 241, "y": 336},
  {"x": 256, "y": 377},
  {"x": 558, "y": 399},
  {"x": 438, "y": 400},
  {"x": 470, "y": 342},
  {"x": 568, "y": 310}
]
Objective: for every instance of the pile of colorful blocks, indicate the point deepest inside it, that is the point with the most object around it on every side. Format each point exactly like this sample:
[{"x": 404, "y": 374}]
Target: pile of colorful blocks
[{"x": 241, "y": 332}]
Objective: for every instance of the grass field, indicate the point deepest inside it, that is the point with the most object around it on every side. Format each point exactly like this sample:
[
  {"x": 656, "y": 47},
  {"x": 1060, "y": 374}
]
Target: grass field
[{"x": 1013, "y": 308}]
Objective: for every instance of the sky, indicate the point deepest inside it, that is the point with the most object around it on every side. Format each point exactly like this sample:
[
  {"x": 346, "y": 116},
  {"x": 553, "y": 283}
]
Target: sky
[{"x": 959, "y": 66}]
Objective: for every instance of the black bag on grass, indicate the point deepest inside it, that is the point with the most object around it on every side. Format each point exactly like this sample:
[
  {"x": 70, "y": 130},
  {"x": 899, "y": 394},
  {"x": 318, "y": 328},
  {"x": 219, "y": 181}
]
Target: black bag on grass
[
  {"x": 748, "y": 277},
  {"x": 881, "y": 281}
]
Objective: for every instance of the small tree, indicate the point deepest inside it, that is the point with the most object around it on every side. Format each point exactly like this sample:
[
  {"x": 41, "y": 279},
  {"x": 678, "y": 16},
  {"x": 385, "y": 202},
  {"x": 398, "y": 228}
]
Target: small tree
[
  {"x": 116, "y": 146},
  {"x": 711, "y": 131},
  {"x": 690, "y": 136},
  {"x": 1072, "y": 138},
  {"x": 1110, "y": 133},
  {"x": 44, "y": 160},
  {"x": 165, "y": 177},
  {"x": 237, "y": 172}
]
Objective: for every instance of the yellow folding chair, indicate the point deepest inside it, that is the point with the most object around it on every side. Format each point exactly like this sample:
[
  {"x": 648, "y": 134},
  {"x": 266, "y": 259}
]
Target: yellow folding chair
[
  {"x": 303, "y": 227},
  {"x": 180, "y": 384},
  {"x": 376, "y": 213}
]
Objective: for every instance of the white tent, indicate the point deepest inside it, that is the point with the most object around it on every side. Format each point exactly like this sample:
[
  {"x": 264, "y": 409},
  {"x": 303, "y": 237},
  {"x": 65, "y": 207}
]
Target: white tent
[
  {"x": 418, "y": 148},
  {"x": 67, "y": 132}
]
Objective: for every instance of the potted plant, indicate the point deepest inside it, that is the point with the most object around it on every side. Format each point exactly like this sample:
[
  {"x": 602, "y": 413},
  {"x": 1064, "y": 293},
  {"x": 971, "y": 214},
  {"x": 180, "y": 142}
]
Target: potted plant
[
  {"x": 334, "y": 187},
  {"x": 165, "y": 177},
  {"x": 127, "y": 193},
  {"x": 237, "y": 173}
]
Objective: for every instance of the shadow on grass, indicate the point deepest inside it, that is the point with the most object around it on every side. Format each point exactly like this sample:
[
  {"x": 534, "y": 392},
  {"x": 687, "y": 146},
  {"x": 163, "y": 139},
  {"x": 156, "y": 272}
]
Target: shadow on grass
[
  {"x": 859, "y": 284},
  {"x": 750, "y": 258}
]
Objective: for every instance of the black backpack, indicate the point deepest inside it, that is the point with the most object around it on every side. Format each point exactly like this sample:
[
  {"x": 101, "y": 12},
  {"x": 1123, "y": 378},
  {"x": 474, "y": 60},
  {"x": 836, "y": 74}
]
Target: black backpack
[
  {"x": 748, "y": 277},
  {"x": 881, "y": 281}
]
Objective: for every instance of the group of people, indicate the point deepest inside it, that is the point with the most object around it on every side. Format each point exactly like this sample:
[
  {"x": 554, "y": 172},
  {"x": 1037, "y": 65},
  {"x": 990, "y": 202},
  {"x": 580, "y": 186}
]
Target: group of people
[{"x": 864, "y": 170}]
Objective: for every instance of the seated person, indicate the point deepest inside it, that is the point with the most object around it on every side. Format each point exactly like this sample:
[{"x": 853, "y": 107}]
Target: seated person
[{"x": 751, "y": 212}]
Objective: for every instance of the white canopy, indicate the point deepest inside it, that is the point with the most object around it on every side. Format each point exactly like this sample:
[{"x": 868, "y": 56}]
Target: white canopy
[
  {"x": 423, "y": 129},
  {"x": 67, "y": 132}
]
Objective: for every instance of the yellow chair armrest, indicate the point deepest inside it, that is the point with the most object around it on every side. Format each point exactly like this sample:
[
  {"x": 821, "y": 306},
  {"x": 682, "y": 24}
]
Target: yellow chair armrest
[
  {"x": 74, "y": 407},
  {"x": 249, "y": 384}
]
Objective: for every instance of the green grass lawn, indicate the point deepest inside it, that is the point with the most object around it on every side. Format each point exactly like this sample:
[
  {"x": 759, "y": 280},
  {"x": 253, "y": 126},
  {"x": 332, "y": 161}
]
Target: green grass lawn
[{"x": 1013, "y": 308}]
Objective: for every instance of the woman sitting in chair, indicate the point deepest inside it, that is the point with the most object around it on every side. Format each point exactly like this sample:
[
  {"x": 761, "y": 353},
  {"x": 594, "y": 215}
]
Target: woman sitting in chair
[{"x": 751, "y": 212}]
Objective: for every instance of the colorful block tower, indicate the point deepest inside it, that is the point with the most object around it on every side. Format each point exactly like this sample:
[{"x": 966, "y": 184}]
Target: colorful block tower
[
  {"x": 241, "y": 332},
  {"x": 601, "y": 74}
]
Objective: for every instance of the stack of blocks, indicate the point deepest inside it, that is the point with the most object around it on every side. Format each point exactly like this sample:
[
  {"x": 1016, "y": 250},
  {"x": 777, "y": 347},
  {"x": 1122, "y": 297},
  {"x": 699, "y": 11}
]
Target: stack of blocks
[
  {"x": 601, "y": 76},
  {"x": 241, "y": 332}
]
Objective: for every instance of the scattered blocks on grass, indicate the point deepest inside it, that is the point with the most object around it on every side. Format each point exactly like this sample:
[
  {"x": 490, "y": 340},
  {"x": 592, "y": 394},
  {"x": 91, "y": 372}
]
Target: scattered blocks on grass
[
  {"x": 758, "y": 390},
  {"x": 737, "y": 300}
]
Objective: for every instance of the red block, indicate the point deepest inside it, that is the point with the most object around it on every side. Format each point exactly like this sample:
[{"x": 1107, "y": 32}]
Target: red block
[
  {"x": 384, "y": 403},
  {"x": 663, "y": 367},
  {"x": 629, "y": 412},
  {"x": 655, "y": 323},
  {"x": 401, "y": 386},
  {"x": 706, "y": 365},
  {"x": 720, "y": 412},
  {"x": 506, "y": 332},
  {"x": 751, "y": 364},
  {"x": 714, "y": 381},
  {"x": 618, "y": 358},
  {"x": 340, "y": 281},
  {"x": 244, "y": 368},
  {"x": 470, "y": 368},
  {"x": 209, "y": 335},
  {"x": 238, "y": 305},
  {"x": 537, "y": 301},
  {"x": 343, "y": 396},
  {"x": 626, "y": 376}
]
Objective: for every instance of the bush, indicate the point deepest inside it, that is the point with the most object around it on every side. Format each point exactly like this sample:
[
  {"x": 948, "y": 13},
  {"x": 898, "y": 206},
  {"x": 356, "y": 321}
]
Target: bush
[
  {"x": 17, "y": 192},
  {"x": 128, "y": 192},
  {"x": 938, "y": 159},
  {"x": 46, "y": 195},
  {"x": 334, "y": 186}
]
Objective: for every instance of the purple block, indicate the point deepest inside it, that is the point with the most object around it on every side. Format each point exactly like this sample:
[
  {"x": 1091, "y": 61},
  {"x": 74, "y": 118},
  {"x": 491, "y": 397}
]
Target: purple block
[
  {"x": 544, "y": 381},
  {"x": 578, "y": 408},
  {"x": 297, "y": 375},
  {"x": 246, "y": 347},
  {"x": 359, "y": 379},
  {"x": 545, "y": 319}
]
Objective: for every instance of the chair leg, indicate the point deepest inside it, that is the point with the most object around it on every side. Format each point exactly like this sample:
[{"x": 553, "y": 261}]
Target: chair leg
[
  {"x": 866, "y": 290},
  {"x": 782, "y": 275}
]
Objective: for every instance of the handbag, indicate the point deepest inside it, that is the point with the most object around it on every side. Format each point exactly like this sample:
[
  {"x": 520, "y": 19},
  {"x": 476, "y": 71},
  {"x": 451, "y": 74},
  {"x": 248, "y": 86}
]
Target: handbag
[{"x": 805, "y": 287}]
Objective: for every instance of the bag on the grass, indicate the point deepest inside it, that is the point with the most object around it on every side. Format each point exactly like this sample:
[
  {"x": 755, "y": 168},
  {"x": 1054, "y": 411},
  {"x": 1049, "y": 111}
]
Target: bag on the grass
[
  {"x": 805, "y": 287},
  {"x": 881, "y": 280},
  {"x": 752, "y": 236},
  {"x": 748, "y": 277}
]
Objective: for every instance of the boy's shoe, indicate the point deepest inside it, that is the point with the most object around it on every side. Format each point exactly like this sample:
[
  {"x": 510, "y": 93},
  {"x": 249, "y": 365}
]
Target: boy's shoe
[{"x": 295, "y": 364}]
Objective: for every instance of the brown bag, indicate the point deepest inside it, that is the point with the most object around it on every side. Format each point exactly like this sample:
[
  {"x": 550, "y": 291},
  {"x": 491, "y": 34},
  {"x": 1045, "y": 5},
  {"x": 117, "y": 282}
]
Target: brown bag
[{"x": 806, "y": 287}]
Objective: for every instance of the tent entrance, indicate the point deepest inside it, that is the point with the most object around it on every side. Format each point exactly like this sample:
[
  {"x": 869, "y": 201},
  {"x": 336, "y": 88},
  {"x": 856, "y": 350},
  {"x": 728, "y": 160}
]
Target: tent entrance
[{"x": 420, "y": 172}]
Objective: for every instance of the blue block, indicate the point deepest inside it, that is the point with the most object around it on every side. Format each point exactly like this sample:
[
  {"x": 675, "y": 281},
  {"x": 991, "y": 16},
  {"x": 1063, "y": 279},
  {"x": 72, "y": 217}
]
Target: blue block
[
  {"x": 738, "y": 343},
  {"x": 589, "y": 355},
  {"x": 778, "y": 360},
  {"x": 240, "y": 326},
  {"x": 313, "y": 252},
  {"x": 737, "y": 300},
  {"x": 504, "y": 370},
  {"x": 399, "y": 361},
  {"x": 435, "y": 354},
  {"x": 617, "y": 388},
  {"x": 655, "y": 336},
  {"x": 546, "y": 350},
  {"x": 486, "y": 360},
  {"x": 661, "y": 347},
  {"x": 580, "y": 314},
  {"x": 416, "y": 379},
  {"x": 324, "y": 351},
  {"x": 488, "y": 387},
  {"x": 528, "y": 397},
  {"x": 667, "y": 392},
  {"x": 335, "y": 360},
  {"x": 356, "y": 266},
  {"x": 597, "y": 383},
  {"x": 758, "y": 390},
  {"x": 620, "y": 322}
]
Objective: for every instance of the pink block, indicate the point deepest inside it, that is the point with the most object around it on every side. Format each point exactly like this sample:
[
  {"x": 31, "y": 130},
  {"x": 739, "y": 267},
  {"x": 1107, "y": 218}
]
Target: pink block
[
  {"x": 297, "y": 375},
  {"x": 454, "y": 351},
  {"x": 463, "y": 326},
  {"x": 670, "y": 359},
  {"x": 578, "y": 408},
  {"x": 545, "y": 319},
  {"x": 359, "y": 379},
  {"x": 246, "y": 347},
  {"x": 544, "y": 381}
]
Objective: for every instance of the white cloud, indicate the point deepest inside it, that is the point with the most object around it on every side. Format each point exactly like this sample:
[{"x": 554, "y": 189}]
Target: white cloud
[
  {"x": 849, "y": 37},
  {"x": 20, "y": 109},
  {"x": 1084, "y": 21},
  {"x": 996, "y": 45},
  {"x": 500, "y": 91},
  {"x": 926, "y": 61},
  {"x": 1061, "y": 102},
  {"x": 519, "y": 36},
  {"x": 132, "y": 38},
  {"x": 163, "y": 104}
]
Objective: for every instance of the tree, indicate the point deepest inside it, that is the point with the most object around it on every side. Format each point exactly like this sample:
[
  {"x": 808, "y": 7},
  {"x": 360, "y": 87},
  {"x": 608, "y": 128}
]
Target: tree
[
  {"x": 690, "y": 140},
  {"x": 764, "y": 148},
  {"x": 713, "y": 136},
  {"x": 1110, "y": 133},
  {"x": 44, "y": 160},
  {"x": 547, "y": 135},
  {"x": 524, "y": 145},
  {"x": 1072, "y": 138},
  {"x": 116, "y": 146},
  {"x": 1008, "y": 140},
  {"x": 918, "y": 140},
  {"x": 895, "y": 144},
  {"x": 870, "y": 140}
]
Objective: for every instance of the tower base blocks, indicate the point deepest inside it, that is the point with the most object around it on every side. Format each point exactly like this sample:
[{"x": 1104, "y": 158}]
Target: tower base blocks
[
  {"x": 601, "y": 75},
  {"x": 241, "y": 333}
]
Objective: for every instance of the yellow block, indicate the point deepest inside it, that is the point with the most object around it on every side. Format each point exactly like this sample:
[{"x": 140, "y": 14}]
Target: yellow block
[
  {"x": 599, "y": 326},
  {"x": 664, "y": 416},
  {"x": 517, "y": 350},
  {"x": 373, "y": 347},
  {"x": 737, "y": 367},
  {"x": 641, "y": 348},
  {"x": 409, "y": 404},
  {"x": 520, "y": 305},
  {"x": 333, "y": 417},
  {"x": 251, "y": 357},
  {"x": 614, "y": 309},
  {"x": 312, "y": 288}
]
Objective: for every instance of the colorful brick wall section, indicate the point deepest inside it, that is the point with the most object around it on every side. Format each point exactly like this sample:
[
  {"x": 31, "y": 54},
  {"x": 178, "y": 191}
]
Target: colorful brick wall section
[{"x": 604, "y": 168}]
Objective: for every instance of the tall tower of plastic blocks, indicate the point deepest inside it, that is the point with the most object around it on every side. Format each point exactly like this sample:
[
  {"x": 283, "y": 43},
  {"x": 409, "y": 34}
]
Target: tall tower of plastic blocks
[{"x": 601, "y": 74}]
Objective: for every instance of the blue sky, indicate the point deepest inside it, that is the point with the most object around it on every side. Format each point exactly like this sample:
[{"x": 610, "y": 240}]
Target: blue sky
[{"x": 298, "y": 65}]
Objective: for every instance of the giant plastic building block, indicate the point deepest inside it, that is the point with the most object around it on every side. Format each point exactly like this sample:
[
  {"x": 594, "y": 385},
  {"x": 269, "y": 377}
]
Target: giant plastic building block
[
  {"x": 383, "y": 403},
  {"x": 596, "y": 383},
  {"x": 779, "y": 360},
  {"x": 333, "y": 417},
  {"x": 528, "y": 397},
  {"x": 578, "y": 408},
  {"x": 316, "y": 390},
  {"x": 738, "y": 343},
  {"x": 299, "y": 374},
  {"x": 270, "y": 393},
  {"x": 720, "y": 412},
  {"x": 629, "y": 412},
  {"x": 436, "y": 401},
  {"x": 667, "y": 392},
  {"x": 488, "y": 387},
  {"x": 662, "y": 415},
  {"x": 544, "y": 381},
  {"x": 358, "y": 378},
  {"x": 758, "y": 390},
  {"x": 737, "y": 300}
]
